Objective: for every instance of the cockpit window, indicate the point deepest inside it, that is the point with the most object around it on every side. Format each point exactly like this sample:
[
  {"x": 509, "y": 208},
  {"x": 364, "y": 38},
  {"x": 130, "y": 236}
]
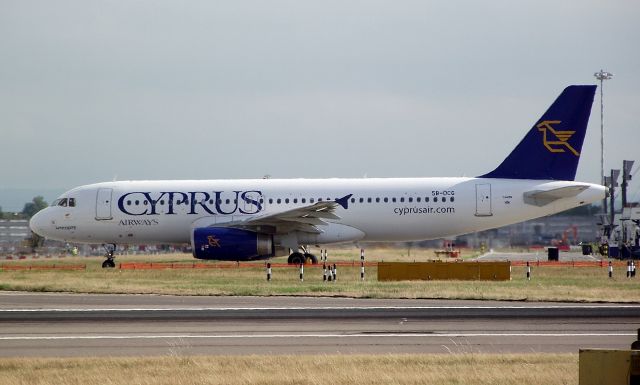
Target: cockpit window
[{"x": 64, "y": 202}]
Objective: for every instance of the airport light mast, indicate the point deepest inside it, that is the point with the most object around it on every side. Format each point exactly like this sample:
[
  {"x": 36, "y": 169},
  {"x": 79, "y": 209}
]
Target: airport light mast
[{"x": 602, "y": 76}]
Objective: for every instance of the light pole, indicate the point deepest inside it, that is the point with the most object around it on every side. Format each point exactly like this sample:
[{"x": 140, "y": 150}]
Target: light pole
[{"x": 602, "y": 76}]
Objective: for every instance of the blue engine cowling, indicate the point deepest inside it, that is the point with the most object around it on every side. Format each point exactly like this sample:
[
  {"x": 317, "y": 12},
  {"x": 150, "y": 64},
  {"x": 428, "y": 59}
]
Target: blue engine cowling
[{"x": 229, "y": 244}]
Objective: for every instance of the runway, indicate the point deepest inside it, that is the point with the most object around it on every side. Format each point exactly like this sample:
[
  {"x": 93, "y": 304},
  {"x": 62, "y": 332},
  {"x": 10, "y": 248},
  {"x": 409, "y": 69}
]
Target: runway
[{"x": 141, "y": 325}]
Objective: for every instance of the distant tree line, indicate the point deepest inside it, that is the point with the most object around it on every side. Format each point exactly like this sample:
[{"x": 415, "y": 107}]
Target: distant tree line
[
  {"x": 30, "y": 209},
  {"x": 37, "y": 203}
]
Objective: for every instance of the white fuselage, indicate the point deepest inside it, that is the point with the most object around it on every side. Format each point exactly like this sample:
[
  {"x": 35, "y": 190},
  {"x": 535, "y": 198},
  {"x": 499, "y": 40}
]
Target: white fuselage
[{"x": 394, "y": 209}]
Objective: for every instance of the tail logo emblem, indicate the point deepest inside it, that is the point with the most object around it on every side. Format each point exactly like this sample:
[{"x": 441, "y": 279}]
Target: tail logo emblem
[
  {"x": 213, "y": 241},
  {"x": 562, "y": 136}
]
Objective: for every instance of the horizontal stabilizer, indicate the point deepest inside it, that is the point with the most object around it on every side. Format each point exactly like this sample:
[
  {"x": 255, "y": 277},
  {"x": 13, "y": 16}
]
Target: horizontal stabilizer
[{"x": 542, "y": 198}]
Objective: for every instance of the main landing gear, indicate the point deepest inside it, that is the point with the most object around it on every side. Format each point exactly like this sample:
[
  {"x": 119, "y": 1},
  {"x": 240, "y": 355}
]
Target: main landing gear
[
  {"x": 305, "y": 257},
  {"x": 109, "y": 263}
]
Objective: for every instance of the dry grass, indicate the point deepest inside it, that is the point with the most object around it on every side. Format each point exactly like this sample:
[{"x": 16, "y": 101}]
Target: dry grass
[
  {"x": 467, "y": 369},
  {"x": 548, "y": 283}
]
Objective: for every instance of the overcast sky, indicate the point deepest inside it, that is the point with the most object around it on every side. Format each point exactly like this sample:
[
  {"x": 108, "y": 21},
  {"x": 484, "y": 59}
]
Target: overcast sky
[{"x": 96, "y": 90}]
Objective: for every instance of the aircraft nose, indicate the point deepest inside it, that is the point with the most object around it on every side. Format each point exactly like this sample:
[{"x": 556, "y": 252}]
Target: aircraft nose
[{"x": 38, "y": 223}]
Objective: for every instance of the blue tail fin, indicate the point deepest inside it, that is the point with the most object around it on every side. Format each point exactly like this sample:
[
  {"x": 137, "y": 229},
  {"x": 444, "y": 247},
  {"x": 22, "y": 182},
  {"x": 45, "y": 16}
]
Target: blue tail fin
[{"x": 551, "y": 149}]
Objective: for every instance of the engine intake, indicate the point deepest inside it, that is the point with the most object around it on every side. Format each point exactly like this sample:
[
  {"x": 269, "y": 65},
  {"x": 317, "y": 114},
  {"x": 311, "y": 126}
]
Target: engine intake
[{"x": 229, "y": 244}]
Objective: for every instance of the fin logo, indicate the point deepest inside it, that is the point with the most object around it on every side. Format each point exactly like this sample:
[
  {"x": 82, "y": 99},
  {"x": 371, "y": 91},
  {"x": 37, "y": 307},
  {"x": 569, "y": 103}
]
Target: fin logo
[
  {"x": 213, "y": 241},
  {"x": 561, "y": 136}
]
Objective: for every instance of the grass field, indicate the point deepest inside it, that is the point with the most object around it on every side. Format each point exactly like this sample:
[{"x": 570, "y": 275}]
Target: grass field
[
  {"x": 584, "y": 284},
  {"x": 469, "y": 369}
]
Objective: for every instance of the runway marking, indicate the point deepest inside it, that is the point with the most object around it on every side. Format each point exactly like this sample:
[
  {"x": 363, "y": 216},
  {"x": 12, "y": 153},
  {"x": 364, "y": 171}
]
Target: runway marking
[
  {"x": 535, "y": 307},
  {"x": 370, "y": 335}
]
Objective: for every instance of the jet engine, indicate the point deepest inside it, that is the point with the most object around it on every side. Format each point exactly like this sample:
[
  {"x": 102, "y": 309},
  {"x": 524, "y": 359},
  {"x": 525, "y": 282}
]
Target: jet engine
[{"x": 230, "y": 244}]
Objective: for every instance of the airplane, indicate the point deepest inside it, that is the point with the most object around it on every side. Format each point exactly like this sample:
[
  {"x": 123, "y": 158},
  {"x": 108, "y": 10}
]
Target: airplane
[{"x": 262, "y": 218}]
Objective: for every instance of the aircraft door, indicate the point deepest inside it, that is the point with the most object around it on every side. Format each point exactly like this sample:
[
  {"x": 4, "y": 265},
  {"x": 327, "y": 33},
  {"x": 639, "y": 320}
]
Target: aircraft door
[
  {"x": 103, "y": 204},
  {"x": 483, "y": 200}
]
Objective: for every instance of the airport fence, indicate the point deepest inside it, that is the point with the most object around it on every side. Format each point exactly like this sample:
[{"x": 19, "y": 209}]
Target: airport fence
[
  {"x": 11, "y": 267},
  {"x": 233, "y": 265},
  {"x": 601, "y": 263},
  {"x": 248, "y": 265}
]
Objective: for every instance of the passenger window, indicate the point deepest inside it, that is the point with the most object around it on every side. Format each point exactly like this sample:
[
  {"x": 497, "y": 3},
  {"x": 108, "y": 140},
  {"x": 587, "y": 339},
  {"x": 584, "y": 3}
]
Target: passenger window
[
  {"x": 393, "y": 200},
  {"x": 361, "y": 200},
  {"x": 386, "y": 200},
  {"x": 270, "y": 200},
  {"x": 418, "y": 199},
  {"x": 353, "y": 200},
  {"x": 451, "y": 199},
  {"x": 295, "y": 200},
  {"x": 411, "y": 199},
  {"x": 279, "y": 200},
  {"x": 227, "y": 201},
  {"x": 286, "y": 200},
  {"x": 368, "y": 200},
  {"x": 128, "y": 203},
  {"x": 311, "y": 200},
  {"x": 426, "y": 199},
  {"x": 402, "y": 199},
  {"x": 377, "y": 200},
  {"x": 304, "y": 200},
  {"x": 435, "y": 199}
]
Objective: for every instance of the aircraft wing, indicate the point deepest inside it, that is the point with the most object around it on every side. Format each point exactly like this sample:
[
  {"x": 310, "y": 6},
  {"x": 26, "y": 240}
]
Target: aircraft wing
[
  {"x": 542, "y": 198},
  {"x": 306, "y": 219}
]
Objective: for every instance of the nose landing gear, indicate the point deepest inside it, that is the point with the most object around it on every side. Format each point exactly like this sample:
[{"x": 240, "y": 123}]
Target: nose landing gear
[{"x": 109, "y": 263}]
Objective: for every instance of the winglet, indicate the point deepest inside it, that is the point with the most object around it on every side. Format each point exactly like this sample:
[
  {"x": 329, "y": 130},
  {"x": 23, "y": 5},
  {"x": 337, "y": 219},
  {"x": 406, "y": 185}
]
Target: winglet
[
  {"x": 551, "y": 149},
  {"x": 344, "y": 201}
]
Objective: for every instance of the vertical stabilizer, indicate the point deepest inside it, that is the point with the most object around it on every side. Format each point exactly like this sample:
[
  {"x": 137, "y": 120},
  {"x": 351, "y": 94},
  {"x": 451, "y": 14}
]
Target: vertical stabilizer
[{"x": 551, "y": 149}]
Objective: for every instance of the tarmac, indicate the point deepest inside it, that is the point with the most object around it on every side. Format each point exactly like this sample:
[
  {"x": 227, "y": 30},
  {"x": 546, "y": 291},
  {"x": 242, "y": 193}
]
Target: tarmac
[{"x": 73, "y": 325}]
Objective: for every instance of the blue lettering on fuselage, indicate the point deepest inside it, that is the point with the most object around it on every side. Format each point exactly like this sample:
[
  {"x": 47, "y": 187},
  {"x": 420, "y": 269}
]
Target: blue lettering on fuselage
[{"x": 195, "y": 202}]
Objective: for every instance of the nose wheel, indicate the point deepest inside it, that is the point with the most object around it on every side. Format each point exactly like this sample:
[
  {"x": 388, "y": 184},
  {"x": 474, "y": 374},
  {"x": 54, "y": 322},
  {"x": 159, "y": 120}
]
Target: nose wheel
[{"x": 109, "y": 263}]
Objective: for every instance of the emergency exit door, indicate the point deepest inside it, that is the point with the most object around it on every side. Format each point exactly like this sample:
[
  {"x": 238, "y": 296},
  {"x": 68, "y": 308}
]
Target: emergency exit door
[
  {"x": 103, "y": 204},
  {"x": 483, "y": 200}
]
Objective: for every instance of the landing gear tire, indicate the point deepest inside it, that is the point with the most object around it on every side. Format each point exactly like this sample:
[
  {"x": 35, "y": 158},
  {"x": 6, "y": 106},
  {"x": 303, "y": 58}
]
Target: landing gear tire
[
  {"x": 296, "y": 258},
  {"x": 108, "y": 264},
  {"x": 310, "y": 258}
]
